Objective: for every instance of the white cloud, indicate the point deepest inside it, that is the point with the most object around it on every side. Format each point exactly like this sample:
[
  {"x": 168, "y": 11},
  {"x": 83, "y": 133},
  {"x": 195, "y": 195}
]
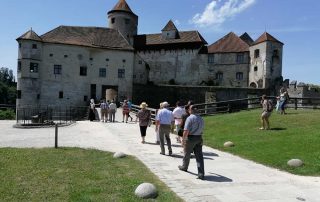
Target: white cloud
[
  {"x": 218, "y": 11},
  {"x": 176, "y": 22}
]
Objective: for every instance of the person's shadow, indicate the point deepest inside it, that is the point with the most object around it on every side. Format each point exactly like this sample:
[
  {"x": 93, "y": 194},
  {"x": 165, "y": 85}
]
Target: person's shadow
[{"x": 213, "y": 177}]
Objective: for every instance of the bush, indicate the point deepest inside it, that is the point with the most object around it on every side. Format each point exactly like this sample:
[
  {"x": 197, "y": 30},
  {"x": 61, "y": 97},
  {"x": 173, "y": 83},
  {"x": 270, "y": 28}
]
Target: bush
[{"x": 7, "y": 114}]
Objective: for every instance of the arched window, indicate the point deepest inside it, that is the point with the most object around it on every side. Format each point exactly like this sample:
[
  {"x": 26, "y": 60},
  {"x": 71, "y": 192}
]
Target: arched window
[{"x": 255, "y": 68}]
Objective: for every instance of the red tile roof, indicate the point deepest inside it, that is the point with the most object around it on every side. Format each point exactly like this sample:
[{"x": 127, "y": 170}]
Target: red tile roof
[
  {"x": 186, "y": 37},
  {"x": 121, "y": 6},
  {"x": 170, "y": 26},
  {"x": 97, "y": 37},
  {"x": 266, "y": 37},
  {"x": 230, "y": 43},
  {"x": 30, "y": 35}
]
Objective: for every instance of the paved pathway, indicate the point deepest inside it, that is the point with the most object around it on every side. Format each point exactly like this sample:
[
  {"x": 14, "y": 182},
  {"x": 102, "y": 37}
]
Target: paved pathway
[{"x": 228, "y": 178}]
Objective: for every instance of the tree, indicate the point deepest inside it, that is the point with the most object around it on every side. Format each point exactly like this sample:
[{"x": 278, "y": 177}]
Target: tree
[{"x": 7, "y": 86}]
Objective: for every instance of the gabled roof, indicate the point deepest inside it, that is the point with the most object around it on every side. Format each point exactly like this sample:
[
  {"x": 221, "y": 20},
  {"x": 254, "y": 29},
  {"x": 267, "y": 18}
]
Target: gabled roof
[
  {"x": 266, "y": 37},
  {"x": 96, "y": 37},
  {"x": 121, "y": 6},
  {"x": 230, "y": 43},
  {"x": 170, "y": 26},
  {"x": 30, "y": 35},
  {"x": 153, "y": 40},
  {"x": 246, "y": 38}
]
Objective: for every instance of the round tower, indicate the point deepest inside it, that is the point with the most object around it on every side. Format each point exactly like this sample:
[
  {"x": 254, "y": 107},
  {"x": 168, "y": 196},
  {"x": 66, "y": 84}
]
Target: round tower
[
  {"x": 29, "y": 67},
  {"x": 123, "y": 19}
]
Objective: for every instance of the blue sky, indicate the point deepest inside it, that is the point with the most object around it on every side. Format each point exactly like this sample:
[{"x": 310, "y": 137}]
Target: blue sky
[{"x": 296, "y": 23}]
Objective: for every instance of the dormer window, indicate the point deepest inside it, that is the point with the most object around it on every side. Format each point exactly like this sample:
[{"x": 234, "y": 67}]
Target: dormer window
[
  {"x": 113, "y": 20},
  {"x": 34, "y": 46}
]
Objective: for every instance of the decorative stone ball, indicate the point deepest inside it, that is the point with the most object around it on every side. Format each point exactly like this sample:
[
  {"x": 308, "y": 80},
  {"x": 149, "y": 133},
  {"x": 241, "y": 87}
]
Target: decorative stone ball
[
  {"x": 295, "y": 163},
  {"x": 146, "y": 190},
  {"x": 119, "y": 155},
  {"x": 228, "y": 144}
]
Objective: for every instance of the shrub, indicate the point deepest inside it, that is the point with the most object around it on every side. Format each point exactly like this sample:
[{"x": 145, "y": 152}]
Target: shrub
[{"x": 7, "y": 114}]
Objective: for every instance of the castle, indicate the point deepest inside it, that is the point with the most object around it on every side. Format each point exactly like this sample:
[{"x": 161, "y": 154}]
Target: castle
[{"x": 69, "y": 64}]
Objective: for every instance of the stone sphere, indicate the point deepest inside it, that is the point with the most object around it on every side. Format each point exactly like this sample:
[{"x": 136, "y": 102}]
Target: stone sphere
[
  {"x": 119, "y": 155},
  {"x": 146, "y": 190},
  {"x": 228, "y": 144},
  {"x": 295, "y": 163}
]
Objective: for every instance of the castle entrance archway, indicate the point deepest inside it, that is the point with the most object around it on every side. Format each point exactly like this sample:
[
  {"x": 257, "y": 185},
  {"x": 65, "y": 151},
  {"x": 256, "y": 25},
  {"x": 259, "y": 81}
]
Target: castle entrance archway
[
  {"x": 253, "y": 85},
  {"x": 109, "y": 92}
]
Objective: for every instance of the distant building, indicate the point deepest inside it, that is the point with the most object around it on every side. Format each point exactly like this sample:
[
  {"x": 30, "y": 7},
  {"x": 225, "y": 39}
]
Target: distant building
[{"x": 69, "y": 65}]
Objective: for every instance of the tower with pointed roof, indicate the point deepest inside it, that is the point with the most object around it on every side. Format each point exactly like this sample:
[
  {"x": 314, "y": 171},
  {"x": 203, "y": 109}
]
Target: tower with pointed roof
[
  {"x": 170, "y": 31},
  {"x": 29, "y": 55},
  {"x": 266, "y": 62},
  {"x": 124, "y": 20}
]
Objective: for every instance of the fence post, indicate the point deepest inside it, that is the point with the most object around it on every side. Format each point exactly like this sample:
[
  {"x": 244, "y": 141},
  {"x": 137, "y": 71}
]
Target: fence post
[
  {"x": 295, "y": 103},
  {"x": 56, "y": 136}
]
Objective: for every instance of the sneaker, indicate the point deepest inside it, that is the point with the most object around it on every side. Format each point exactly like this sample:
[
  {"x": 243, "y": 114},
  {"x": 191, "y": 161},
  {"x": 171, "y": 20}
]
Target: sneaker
[
  {"x": 261, "y": 128},
  {"x": 182, "y": 168},
  {"x": 162, "y": 153},
  {"x": 170, "y": 153},
  {"x": 143, "y": 142}
]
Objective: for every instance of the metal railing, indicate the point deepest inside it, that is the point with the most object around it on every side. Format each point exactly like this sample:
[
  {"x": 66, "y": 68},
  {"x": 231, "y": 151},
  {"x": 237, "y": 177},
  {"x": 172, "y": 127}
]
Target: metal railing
[{"x": 38, "y": 116}]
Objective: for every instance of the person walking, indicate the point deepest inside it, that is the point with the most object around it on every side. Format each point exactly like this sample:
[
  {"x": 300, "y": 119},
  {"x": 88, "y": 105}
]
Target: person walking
[
  {"x": 164, "y": 120},
  {"x": 192, "y": 140},
  {"x": 144, "y": 116},
  {"x": 157, "y": 129},
  {"x": 130, "y": 107},
  {"x": 178, "y": 112},
  {"x": 92, "y": 108},
  {"x": 266, "y": 112},
  {"x": 104, "y": 111},
  {"x": 112, "y": 111},
  {"x": 125, "y": 111}
]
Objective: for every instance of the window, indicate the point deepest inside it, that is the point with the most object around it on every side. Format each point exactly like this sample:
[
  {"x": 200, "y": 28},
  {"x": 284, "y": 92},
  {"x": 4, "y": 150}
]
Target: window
[
  {"x": 57, "y": 69},
  {"x": 275, "y": 53},
  {"x": 219, "y": 76},
  {"x": 51, "y": 55},
  {"x": 18, "y": 94},
  {"x": 107, "y": 59},
  {"x": 211, "y": 58},
  {"x": 83, "y": 71},
  {"x": 34, "y": 46},
  {"x": 240, "y": 58},
  {"x": 140, "y": 62},
  {"x": 123, "y": 60},
  {"x": 127, "y": 21},
  {"x": 60, "y": 94},
  {"x": 121, "y": 73},
  {"x": 102, "y": 72},
  {"x": 19, "y": 66},
  {"x": 90, "y": 59},
  {"x": 256, "y": 53},
  {"x": 85, "y": 98},
  {"x": 34, "y": 67},
  {"x": 113, "y": 20},
  {"x": 65, "y": 56},
  {"x": 255, "y": 69},
  {"x": 239, "y": 76},
  {"x": 38, "y": 96},
  {"x": 19, "y": 45}
]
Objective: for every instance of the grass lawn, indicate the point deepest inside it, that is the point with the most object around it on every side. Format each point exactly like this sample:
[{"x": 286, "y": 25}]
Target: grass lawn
[
  {"x": 72, "y": 174},
  {"x": 294, "y": 135}
]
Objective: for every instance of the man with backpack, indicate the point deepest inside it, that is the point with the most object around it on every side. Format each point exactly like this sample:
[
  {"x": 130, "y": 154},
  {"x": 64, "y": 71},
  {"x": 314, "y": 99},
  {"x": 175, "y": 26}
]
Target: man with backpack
[{"x": 267, "y": 108}]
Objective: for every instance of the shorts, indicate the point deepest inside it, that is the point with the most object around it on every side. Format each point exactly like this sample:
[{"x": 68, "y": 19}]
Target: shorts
[{"x": 265, "y": 114}]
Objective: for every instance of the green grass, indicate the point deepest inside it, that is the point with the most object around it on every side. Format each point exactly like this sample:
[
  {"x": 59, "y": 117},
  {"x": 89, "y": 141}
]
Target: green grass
[
  {"x": 71, "y": 174},
  {"x": 294, "y": 135}
]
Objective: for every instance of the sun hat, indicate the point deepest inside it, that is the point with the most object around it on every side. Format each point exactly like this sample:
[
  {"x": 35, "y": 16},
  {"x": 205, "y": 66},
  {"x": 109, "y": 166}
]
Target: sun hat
[
  {"x": 165, "y": 104},
  {"x": 143, "y": 105}
]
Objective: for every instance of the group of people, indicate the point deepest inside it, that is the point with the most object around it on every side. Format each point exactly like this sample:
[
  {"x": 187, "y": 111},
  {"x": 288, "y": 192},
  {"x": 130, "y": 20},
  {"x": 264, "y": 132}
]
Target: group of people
[
  {"x": 189, "y": 128},
  {"x": 107, "y": 110},
  {"x": 267, "y": 107}
]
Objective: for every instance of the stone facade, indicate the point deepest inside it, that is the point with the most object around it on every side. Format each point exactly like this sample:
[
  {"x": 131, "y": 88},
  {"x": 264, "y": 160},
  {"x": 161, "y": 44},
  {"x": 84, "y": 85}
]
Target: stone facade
[{"x": 69, "y": 65}]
